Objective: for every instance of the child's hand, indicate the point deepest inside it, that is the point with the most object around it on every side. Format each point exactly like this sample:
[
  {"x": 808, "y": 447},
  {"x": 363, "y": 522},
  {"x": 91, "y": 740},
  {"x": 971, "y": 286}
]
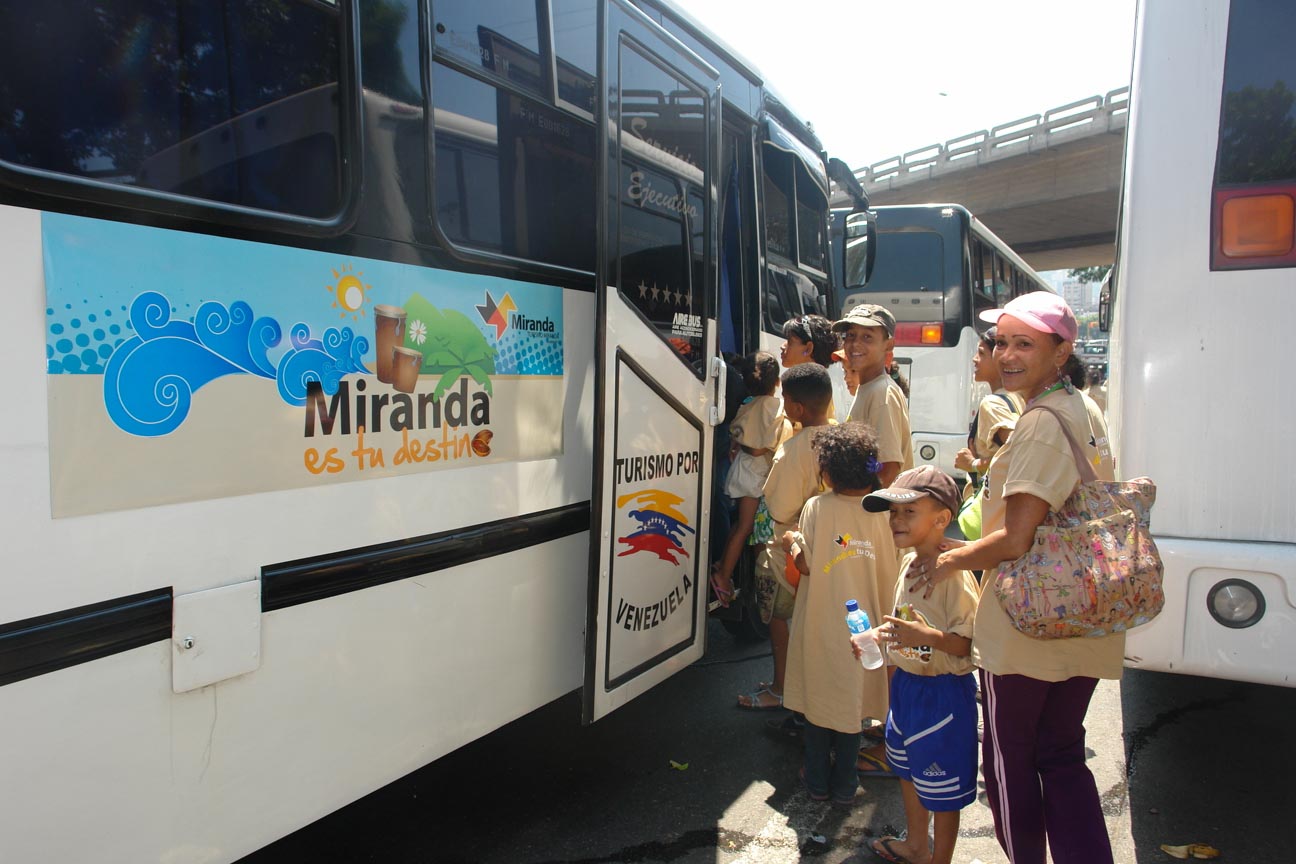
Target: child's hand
[
  {"x": 857, "y": 639},
  {"x": 906, "y": 634},
  {"x": 787, "y": 540},
  {"x": 963, "y": 459}
]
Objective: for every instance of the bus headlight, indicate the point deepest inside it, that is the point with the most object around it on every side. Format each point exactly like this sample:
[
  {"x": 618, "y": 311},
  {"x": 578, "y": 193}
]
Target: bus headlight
[
  {"x": 1235, "y": 603},
  {"x": 927, "y": 453}
]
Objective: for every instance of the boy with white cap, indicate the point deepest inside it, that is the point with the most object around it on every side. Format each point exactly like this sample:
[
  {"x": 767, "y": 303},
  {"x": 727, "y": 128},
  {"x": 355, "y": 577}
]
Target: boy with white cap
[{"x": 931, "y": 726}]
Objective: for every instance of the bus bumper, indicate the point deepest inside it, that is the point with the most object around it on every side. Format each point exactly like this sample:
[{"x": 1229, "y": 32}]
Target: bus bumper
[
  {"x": 939, "y": 449},
  {"x": 1187, "y": 638}
]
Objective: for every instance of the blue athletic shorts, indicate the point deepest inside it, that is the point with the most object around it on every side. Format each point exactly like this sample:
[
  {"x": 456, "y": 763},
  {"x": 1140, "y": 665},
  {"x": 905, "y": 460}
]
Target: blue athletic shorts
[{"x": 931, "y": 737}]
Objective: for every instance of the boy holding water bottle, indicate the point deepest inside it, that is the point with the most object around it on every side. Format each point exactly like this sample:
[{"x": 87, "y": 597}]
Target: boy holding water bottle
[
  {"x": 931, "y": 728},
  {"x": 843, "y": 554}
]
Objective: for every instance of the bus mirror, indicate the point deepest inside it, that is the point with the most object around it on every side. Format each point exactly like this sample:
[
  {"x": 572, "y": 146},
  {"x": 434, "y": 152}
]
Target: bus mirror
[
  {"x": 859, "y": 247},
  {"x": 1104, "y": 302},
  {"x": 840, "y": 173}
]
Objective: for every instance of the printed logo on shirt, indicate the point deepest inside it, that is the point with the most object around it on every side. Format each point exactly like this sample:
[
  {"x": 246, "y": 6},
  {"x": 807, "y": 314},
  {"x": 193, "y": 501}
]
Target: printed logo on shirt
[
  {"x": 851, "y": 548},
  {"x": 934, "y": 770}
]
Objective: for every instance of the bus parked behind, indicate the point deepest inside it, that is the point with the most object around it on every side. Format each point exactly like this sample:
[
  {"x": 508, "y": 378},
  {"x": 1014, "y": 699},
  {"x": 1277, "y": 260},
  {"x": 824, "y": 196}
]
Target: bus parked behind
[{"x": 935, "y": 266}]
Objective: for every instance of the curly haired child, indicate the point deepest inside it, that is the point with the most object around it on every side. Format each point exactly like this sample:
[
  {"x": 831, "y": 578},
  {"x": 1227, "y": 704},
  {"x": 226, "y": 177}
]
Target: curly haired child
[{"x": 844, "y": 553}]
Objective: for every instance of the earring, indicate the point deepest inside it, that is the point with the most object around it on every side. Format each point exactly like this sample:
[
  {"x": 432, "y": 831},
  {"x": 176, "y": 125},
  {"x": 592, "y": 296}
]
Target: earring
[{"x": 1066, "y": 382}]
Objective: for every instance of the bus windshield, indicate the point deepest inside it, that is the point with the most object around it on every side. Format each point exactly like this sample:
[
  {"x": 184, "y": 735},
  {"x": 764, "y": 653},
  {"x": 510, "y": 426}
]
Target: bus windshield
[{"x": 909, "y": 269}]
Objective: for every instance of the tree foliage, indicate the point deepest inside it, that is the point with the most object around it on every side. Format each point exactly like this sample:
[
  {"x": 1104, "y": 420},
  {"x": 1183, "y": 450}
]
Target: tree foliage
[{"x": 1089, "y": 274}]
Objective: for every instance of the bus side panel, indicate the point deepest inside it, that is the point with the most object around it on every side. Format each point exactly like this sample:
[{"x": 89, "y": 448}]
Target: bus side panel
[
  {"x": 1197, "y": 357},
  {"x": 1192, "y": 348},
  {"x": 352, "y": 692}
]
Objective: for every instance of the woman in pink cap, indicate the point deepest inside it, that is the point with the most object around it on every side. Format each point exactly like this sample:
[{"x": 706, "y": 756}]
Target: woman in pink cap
[{"x": 1035, "y": 692}]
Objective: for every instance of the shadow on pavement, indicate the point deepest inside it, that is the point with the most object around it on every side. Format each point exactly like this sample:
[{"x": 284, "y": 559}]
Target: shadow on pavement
[{"x": 1211, "y": 762}]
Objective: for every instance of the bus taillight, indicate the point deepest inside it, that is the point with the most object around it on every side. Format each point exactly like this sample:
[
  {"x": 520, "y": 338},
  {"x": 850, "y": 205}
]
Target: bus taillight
[
  {"x": 911, "y": 334},
  {"x": 1254, "y": 227}
]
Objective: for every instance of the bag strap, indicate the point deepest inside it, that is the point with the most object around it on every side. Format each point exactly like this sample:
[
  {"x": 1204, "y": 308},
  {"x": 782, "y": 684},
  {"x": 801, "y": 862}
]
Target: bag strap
[
  {"x": 1006, "y": 401},
  {"x": 1083, "y": 465}
]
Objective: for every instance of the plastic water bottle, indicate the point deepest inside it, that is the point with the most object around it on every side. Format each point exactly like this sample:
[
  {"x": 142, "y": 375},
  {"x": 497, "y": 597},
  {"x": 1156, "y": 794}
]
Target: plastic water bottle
[{"x": 858, "y": 622}]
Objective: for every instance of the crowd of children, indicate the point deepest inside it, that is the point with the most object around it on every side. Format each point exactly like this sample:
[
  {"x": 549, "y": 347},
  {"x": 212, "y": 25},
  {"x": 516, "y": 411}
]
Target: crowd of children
[{"x": 850, "y": 515}]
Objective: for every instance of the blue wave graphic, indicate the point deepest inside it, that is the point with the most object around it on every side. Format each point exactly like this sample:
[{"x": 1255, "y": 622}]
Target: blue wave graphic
[
  {"x": 324, "y": 360},
  {"x": 150, "y": 378},
  {"x": 233, "y": 334}
]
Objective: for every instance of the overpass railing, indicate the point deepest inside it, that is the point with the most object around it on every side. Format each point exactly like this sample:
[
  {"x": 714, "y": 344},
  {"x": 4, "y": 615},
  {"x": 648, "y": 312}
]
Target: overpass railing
[{"x": 1093, "y": 116}]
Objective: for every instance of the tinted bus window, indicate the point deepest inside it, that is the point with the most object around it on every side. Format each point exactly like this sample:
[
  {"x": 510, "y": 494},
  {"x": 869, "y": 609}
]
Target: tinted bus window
[
  {"x": 575, "y": 30},
  {"x": 778, "y": 188},
  {"x": 500, "y": 36},
  {"x": 1258, "y": 113},
  {"x": 512, "y": 175},
  {"x": 810, "y": 222},
  {"x": 909, "y": 261},
  {"x": 228, "y": 100},
  {"x": 662, "y": 214}
]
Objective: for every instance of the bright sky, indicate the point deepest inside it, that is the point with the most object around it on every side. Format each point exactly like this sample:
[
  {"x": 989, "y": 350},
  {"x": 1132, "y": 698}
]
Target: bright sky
[{"x": 914, "y": 74}]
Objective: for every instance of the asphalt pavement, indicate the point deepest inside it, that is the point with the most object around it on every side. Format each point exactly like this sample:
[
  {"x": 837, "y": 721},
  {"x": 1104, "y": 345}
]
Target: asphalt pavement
[{"x": 681, "y": 775}]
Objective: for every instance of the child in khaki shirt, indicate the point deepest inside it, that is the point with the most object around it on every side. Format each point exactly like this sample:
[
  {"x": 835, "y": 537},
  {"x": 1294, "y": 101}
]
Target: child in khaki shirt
[
  {"x": 793, "y": 480},
  {"x": 844, "y": 554},
  {"x": 931, "y": 727},
  {"x": 868, "y": 333}
]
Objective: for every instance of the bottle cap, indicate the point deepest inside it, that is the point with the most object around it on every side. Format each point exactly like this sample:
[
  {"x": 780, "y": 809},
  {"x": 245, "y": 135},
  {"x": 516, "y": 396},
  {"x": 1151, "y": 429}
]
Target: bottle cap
[{"x": 852, "y": 606}]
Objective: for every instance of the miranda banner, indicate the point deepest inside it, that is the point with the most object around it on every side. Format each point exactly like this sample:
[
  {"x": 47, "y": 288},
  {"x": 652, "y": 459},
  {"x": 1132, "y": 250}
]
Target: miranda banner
[{"x": 185, "y": 366}]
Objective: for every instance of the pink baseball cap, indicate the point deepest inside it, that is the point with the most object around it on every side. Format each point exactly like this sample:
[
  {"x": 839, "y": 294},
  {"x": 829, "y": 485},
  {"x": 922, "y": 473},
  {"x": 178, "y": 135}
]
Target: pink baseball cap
[{"x": 1041, "y": 310}]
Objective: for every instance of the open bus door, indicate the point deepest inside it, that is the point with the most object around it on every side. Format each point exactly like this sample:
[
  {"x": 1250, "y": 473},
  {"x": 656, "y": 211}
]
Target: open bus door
[{"x": 659, "y": 380}]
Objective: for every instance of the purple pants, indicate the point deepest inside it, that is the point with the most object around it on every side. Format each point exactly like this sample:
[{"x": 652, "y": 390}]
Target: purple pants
[{"x": 1038, "y": 785}]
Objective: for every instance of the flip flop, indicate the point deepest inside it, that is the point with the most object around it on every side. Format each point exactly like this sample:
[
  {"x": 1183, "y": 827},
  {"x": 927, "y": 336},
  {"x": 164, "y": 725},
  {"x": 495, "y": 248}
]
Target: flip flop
[
  {"x": 886, "y": 853},
  {"x": 755, "y": 703},
  {"x": 724, "y": 596},
  {"x": 879, "y": 767}
]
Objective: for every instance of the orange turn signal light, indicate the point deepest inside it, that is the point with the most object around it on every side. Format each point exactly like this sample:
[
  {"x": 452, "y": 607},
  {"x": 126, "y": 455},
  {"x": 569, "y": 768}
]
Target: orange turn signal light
[
  {"x": 1256, "y": 225},
  {"x": 932, "y": 334}
]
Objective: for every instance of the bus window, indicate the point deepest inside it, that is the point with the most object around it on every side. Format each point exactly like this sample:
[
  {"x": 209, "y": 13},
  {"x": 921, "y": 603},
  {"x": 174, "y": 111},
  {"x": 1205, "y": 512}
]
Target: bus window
[
  {"x": 499, "y": 36},
  {"x": 982, "y": 293},
  {"x": 778, "y": 189},
  {"x": 1253, "y": 221},
  {"x": 810, "y": 211},
  {"x": 1257, "y": 121},
  {"x": 660, "y": 250},
  {"x": 510, "y": 173},
  {"x": 234, "y": 101},
  {"x": 575, "y": 33},
  {"x": 1002, "y": 280}
]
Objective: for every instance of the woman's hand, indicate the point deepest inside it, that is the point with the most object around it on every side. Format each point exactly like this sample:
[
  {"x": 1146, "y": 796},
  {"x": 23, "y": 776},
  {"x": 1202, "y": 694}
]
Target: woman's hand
[
  {"x": 930, "y": 572},
  {"x": 964, "y": 460},
  {"x": 787, "y": 540}
]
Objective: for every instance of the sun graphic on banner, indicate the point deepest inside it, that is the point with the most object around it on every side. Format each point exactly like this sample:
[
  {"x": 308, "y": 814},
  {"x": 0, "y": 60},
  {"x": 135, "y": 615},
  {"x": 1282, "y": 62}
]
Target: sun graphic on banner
[{"x": 349, "y": 293}]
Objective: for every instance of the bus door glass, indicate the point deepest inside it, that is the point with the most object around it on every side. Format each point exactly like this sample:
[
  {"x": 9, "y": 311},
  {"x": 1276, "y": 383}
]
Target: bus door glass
[{"x": 658, "y": 376}]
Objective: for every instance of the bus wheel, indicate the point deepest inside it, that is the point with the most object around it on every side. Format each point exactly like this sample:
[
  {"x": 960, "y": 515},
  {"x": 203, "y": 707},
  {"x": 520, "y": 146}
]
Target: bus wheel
[{"x": 746, "y": 626}]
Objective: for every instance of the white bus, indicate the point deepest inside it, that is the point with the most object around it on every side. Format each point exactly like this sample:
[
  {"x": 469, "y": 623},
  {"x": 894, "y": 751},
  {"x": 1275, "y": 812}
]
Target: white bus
[
  {"x": 364, "y": 362},
  {"x": 935, "y": 266},
  {"x": 1199, "y": 312}
]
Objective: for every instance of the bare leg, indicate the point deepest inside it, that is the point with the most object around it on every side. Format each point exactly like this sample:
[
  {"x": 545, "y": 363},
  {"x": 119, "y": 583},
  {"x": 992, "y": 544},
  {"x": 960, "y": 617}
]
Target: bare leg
[
  {"x": 947, "y": 825},
  {"x": 738, "y": 535},
  {"x": 914, "y": 847},
  {"x": 780, "y": 635}
]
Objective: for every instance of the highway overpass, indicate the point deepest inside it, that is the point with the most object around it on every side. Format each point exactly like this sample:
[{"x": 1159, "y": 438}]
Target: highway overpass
[{"x": 1047, "y": 184}]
